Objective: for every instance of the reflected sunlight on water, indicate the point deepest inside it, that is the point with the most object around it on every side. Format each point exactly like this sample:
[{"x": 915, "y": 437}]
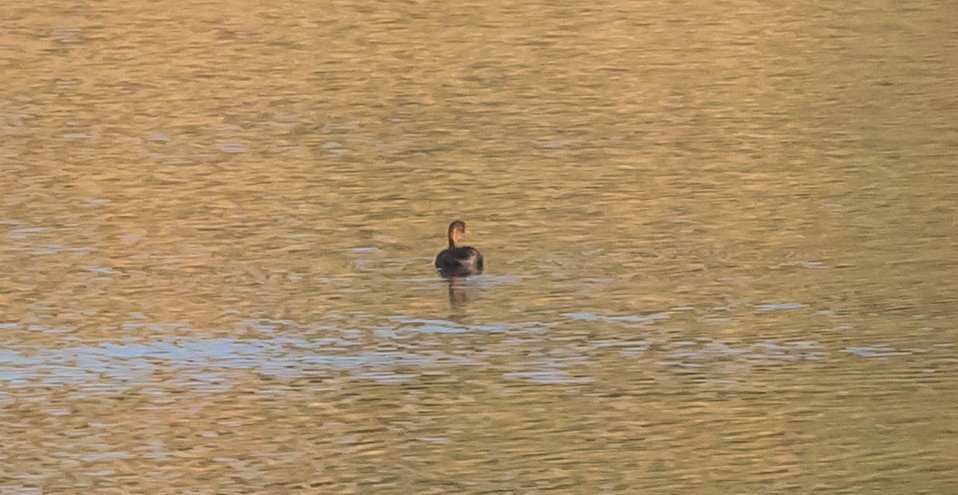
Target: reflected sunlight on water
[{"x": 720, "y": 244}]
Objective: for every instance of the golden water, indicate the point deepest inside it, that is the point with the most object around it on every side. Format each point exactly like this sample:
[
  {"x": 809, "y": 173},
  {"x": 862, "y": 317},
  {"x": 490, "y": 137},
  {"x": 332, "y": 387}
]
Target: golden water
[{"x": 720, "y": 244}]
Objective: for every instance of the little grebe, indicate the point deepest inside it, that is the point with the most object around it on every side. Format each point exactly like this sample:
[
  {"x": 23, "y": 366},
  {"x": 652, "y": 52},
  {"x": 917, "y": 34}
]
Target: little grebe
[{"x": 458, "y": 261}]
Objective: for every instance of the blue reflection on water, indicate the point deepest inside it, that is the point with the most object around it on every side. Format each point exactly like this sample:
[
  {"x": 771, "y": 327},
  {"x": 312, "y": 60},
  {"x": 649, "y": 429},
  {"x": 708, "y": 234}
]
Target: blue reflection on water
[
  {"x": 388, "y": 350},
  {"x": 637, "y": 319},
  {"x": 211, "y": 363},
  {"x": 778, "y": 306}
]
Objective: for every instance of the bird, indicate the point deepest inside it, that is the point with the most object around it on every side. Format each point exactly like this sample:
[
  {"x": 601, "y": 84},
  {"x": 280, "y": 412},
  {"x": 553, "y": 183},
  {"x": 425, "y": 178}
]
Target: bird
[{"x": 458, "y": 261}]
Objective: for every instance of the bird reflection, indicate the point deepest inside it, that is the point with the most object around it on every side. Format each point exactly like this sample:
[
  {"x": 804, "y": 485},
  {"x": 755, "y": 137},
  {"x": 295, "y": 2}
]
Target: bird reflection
[{"x": 457, "y": 292}]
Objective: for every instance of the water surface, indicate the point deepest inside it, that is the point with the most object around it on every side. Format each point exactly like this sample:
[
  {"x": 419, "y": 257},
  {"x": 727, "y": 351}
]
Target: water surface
[{"x": 720, "y": 244}]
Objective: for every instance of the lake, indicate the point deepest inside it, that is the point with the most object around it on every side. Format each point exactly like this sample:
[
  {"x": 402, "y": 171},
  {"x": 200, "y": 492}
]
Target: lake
[{"x": 721, "y": 246}]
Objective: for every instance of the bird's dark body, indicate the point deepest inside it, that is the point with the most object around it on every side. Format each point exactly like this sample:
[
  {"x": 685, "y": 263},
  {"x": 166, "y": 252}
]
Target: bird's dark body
[{"x": 460, "y": 261}]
